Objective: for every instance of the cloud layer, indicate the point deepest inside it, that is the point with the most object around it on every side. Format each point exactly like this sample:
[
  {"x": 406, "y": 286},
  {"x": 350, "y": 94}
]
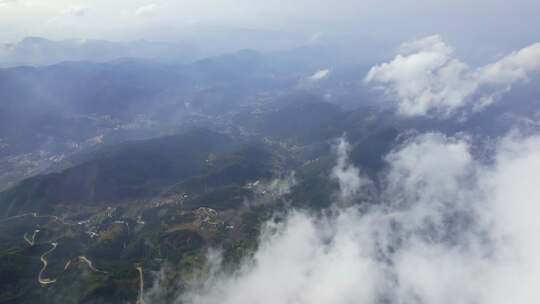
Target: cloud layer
[
  {"x": 426, "y": 79},
  {"x": 450, "y": 228}
]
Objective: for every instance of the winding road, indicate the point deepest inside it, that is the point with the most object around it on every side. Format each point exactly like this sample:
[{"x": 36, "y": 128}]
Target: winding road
[
  {"x": 31, "y": 241},
  {"x": 35, "y": 215},
  {"x": 84, "y": 259},
  {"x": 14, "y": 217},
  {"x": 46, "y": 281},
  {"x": 67, "y": 265},
  {"x": 140, "y": 300}
]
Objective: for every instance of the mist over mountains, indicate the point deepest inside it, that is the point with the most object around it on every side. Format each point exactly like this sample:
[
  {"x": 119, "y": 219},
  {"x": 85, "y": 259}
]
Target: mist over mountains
[
  {"x": 297, "y": 153},
  {"x": 179, "y": 47}
]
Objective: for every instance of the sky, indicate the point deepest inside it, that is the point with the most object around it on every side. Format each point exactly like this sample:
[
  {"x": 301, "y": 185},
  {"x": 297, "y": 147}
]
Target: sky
[{"x": 501, "y": 23}]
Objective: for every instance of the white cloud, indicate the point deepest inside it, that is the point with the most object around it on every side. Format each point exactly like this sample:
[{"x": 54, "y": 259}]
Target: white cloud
[
  {"x": 320, "y": 74},
  {"x": 512, "y": 68},
  {"x": 346, "y": 174},
  {"x": 450, "y": 229},
  {"x": 145, "y": 10},
  {"x": 295, "y": 265},
  {"x": 419, "y": 175},
  {"x": 425, "y": 78}
]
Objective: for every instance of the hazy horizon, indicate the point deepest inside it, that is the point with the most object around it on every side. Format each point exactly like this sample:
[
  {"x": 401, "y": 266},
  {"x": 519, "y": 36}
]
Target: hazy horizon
[{"x": 471, "y": 26}]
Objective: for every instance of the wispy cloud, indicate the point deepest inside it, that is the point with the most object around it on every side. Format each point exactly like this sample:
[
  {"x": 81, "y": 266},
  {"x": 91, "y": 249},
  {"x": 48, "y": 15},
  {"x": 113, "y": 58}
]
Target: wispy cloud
[
  {"x": 348, "y": 176},
  {"x": 320, "y": 74},
  {"x": 145, "y": 10},
  {"x": 426, "y": 79}
]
